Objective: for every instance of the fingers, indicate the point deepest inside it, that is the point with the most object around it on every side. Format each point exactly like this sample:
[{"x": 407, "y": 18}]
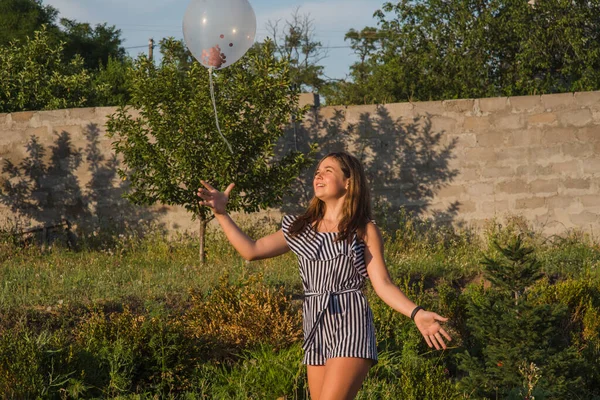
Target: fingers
[
  {"x": 229, "y": 189},
  {"x": 439, "y": 318},
  {"x": 207, "y": 185},
  {"x": 443, "y": 332}
]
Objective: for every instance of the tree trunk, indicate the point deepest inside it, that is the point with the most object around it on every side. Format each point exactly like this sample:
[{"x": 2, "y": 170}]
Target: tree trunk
[{"x": 201, "y": 235}]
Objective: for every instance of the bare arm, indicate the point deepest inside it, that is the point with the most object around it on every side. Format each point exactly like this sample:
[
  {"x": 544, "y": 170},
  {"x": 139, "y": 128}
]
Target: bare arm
[
  {"x": 269, "y": 246},
  {"x": 426, "y": 321}
]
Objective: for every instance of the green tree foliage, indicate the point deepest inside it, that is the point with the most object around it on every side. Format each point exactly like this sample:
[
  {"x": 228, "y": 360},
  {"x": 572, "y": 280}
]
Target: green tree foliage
[
  {"x": 443, "y": 49},
  {"x": 21, "y": 18},
  {"x": 173, "y": 143},
  {"x": 34, "y": 76},
  {"x": 518, "y": 346},
  {"x": 95, "y": 44},
  {"x": 114, "y": 82}
]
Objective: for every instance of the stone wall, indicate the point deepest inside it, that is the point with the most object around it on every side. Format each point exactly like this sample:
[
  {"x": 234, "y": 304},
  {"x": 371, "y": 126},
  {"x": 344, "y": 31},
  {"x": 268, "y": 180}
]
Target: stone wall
[{"x": 462, "y": 161}]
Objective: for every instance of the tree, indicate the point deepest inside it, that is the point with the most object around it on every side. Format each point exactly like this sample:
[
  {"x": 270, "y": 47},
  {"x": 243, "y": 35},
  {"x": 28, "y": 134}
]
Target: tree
[
  {"x": 295, "y": 42},
  {"x": 33, "y": 76},
  {"x": 171, "y": 143},
  {"x": 21, "y": 18},
  {"x": 114, "y": 80},
  {"x": 518, "y": 345},
  {"x": 95, "y": 44},
  {"x": 442, "y": 49}
]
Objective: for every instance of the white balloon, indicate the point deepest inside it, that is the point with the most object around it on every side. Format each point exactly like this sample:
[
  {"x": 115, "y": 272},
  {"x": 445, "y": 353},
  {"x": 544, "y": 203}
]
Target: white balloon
[{"x": 219, "y": 32}]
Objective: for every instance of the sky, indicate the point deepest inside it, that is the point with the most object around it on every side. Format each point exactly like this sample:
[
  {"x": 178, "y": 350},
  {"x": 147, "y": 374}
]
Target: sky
[{"x": 140, "y": 20}]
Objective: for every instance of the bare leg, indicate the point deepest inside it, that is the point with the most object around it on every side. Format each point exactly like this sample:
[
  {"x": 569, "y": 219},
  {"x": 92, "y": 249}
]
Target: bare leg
[
  {"x": 344, "y": 377},
  {"x": 315, "y": 373}
]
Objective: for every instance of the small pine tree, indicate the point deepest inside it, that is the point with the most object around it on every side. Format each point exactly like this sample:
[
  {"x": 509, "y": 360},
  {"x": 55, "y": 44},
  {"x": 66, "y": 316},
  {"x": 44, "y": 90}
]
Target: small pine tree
[{"x": 517, "y": 347}]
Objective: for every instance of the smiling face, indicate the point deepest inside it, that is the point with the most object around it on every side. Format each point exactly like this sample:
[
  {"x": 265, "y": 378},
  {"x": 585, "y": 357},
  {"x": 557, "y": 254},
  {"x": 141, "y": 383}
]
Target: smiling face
[{"x": 329, "y": 181}]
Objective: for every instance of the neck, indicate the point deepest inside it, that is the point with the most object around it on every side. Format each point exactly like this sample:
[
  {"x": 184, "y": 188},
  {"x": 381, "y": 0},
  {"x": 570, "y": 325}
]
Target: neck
[{"x": 334, "y": 210}]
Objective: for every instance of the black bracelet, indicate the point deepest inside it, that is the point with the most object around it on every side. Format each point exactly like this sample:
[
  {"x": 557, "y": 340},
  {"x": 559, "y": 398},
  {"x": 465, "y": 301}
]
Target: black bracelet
[{"x": 415, "y": 311}]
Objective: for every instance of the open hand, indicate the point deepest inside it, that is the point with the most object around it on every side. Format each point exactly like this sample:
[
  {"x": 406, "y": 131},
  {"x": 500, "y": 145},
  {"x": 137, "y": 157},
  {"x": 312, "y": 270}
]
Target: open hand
[
  {"x": 429, "y": 325},
  {"x": 213, "y": 198}
]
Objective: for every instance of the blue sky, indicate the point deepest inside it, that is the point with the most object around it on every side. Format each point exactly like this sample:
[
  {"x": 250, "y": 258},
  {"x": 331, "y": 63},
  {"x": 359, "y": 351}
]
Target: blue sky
[{"x": 141, "y": 19}]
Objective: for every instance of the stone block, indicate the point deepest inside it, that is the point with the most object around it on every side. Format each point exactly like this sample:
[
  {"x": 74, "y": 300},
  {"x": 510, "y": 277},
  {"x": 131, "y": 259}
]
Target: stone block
[
  {"x": 39, "y": 131},
  {"x": 566, "y": 168},
  {"x": 575, "y": 183},
  {"x": 546, "y": 155},
  {"x": 480, "y": 154},
  {"x": 22, "y": 117},
  {"x": 577, "y": 150},
  {"x": 498, "y": 172},
  {"x": 590, "y": 200},
  {"x": 493, "y": 104},
  {"x": 492, "y": 139},
  {"x": 587, "y": 99},
  {"x": 591, "y": 166},
  {"x": 480, "y": 189},
  {"x": 542, "y": 119},
  {"x": 544, "y": 186},
  {"x": 493, "y": 207},
  {"x": 577, "y": 118},
  {"x": 73, "y": 130},
  {"x": 558, "y": 135},
  {"x": 535, "y": 170},
  {"x": 558, "y": 101},
  {"x": 460, "y": 106},
  {"x": 53, "y": 116},
  {"x": 468, "y": 174},
  {"x": 515, "y": 155},
  {"x": 530, "y": 203},
  {"x": 428, "y": 107},
  {"x": 584, "y": 219},
  {"x": 476, "y": 124},
  {"x": 507, "y": 122},
  {"x": 588, "y": 134},
  {"x": 513, "y": 186},
  {"x": 525, "y": 103},
  {"x": 86, "y": 114},
  {"x": 467, "y": 206},
  {"x": 398, "y": 110},
  {"x": 442, "y": 124},
  {"x": 526, "y": 137},
  {"x": 463, "y": 140},
  {"x": 451, "y": 191}
]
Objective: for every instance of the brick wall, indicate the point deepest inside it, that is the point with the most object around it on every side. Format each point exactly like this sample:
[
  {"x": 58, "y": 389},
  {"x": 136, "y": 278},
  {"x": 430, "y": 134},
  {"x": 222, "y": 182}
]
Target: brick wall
[{"x": 462, "y": 161}]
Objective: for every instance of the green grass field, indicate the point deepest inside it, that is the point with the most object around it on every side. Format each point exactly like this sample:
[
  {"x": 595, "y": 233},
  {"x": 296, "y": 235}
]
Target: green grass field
[{"x": 137, "y": 316}]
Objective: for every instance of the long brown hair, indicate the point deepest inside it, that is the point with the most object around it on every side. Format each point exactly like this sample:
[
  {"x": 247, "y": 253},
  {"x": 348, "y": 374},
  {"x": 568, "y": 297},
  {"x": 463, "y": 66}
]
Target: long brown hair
[{"x": 356, "y": 211}]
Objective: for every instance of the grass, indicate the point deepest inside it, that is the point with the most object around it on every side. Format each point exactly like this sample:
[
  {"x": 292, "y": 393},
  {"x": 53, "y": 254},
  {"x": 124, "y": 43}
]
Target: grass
[{"x": 121, "y": 302}]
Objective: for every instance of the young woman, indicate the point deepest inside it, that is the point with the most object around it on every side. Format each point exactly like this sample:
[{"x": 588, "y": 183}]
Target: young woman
[{"x": 338, "y": 247}]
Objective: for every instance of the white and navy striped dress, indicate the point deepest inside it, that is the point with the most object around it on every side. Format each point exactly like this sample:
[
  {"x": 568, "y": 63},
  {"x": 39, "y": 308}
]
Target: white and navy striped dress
[{"x": 338, "y": 321}]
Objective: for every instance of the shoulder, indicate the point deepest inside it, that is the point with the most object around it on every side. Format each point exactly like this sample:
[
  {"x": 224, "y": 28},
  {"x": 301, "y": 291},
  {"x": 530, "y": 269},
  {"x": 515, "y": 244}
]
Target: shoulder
[
  {"x": 287, "y": 221},
  {"x": 372, "y": 234}
]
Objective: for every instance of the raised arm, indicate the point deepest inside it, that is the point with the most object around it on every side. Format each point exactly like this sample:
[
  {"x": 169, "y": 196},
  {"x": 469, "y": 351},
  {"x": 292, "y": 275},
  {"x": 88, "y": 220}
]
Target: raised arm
[
  {"x": 427, "y": 322},
  {"x": 269, "y": 246}
]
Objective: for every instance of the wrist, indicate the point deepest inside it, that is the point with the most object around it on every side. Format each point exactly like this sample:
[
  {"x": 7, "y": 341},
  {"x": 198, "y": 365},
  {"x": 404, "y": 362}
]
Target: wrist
[{"x": 415, "y": 311}]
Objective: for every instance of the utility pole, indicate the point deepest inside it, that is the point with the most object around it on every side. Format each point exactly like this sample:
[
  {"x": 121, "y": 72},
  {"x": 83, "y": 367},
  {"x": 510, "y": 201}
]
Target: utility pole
[{"x": 150, "y": 48}]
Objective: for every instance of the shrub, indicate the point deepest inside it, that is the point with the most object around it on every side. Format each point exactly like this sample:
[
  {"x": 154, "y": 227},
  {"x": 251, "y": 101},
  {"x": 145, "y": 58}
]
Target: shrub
[{"x": 243, "y": 315}]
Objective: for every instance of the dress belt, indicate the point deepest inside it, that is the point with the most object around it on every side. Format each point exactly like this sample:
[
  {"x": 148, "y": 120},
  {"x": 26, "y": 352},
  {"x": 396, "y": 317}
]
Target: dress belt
[{"x": 311, "y": 335}]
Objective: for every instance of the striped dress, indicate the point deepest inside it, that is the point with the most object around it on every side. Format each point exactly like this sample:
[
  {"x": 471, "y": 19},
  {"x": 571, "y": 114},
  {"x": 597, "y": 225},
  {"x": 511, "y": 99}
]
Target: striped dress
[{"x": 337, "y": 319}]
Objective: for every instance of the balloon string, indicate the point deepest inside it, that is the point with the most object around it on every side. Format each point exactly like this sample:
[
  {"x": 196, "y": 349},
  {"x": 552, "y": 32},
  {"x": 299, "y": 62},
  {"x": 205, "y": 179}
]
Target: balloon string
[{"x": 212, "y": 96}]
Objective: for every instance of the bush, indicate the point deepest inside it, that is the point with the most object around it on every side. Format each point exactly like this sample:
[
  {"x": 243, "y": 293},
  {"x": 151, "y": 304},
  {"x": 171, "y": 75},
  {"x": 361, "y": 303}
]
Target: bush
[{"x": 244, "y": 315}]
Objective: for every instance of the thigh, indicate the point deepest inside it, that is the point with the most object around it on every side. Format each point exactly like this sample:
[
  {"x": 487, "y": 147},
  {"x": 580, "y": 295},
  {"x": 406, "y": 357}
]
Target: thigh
[
  {"x": 344, "y": 377},
  {"x": 315, "y": 373}
]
